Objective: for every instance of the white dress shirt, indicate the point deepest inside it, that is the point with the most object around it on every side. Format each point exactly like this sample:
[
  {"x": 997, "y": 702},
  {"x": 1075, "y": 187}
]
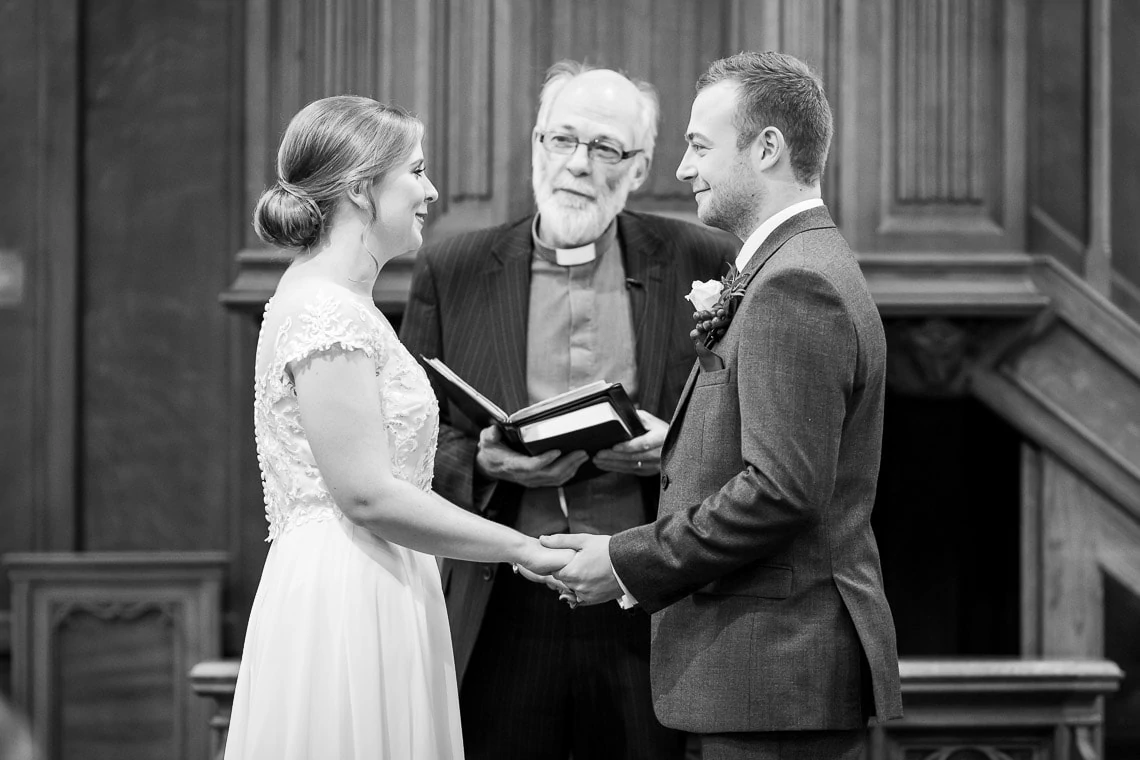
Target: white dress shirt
[{"x": 757, "y": 238}]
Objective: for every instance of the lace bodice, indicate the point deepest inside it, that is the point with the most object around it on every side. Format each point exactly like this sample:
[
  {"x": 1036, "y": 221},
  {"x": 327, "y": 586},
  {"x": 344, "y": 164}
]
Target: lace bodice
[{"x": 297, "y": 324}]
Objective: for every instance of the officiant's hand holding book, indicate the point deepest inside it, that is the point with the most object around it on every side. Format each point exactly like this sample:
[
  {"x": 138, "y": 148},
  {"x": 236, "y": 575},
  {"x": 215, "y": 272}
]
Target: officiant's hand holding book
[{"x": 590, "y": 418}]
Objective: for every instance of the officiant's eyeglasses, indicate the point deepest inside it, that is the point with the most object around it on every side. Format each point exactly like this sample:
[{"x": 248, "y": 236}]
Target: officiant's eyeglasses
[{"x": 597, "y": 149}]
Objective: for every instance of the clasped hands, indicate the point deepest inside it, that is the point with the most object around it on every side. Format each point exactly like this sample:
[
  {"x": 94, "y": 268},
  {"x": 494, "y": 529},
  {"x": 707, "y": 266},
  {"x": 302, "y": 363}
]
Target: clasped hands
[{"x": 586, "y": 578}]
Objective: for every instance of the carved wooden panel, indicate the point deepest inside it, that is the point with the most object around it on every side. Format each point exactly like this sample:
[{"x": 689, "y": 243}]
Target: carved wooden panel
[
  {"x": 102, "y": 648},
  {"x": 966, "y": 745},
  {"x": 943, "y": 51},
  {"x": 932, "y": 124},
  {"x": 160, "y": 91},
  {"x": 125, "y": 652},
  {"x": 999, "y": 709}
]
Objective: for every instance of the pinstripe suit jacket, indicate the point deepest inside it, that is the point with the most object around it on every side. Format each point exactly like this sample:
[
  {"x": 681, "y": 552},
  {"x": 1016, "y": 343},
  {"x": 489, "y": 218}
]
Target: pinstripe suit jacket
[
  {"x": 468, "y": 306},
  {"x": 761, "y": 571}
]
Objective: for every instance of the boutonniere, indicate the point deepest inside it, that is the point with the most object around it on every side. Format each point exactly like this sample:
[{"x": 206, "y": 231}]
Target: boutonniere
[{"x": 715, "y": 303}]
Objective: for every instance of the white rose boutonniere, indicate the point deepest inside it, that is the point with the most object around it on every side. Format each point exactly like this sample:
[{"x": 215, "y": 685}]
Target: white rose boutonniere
[
  {"x": 704, "y": 295},
  {"x": 716, "y": 304}
]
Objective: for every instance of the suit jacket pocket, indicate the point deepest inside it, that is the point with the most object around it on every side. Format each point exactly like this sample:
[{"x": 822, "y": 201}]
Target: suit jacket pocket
[
  {"x": 719, "y": 377},
  {"x": 762, "y": 581}
]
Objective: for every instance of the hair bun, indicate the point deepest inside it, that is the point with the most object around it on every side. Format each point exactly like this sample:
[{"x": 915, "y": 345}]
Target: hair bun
[{"x": 287, "y": 219}]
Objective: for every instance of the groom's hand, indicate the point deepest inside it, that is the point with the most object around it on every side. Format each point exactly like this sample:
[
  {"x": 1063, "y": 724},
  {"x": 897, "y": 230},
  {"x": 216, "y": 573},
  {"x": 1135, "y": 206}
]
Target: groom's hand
[
  {"x": 551, "y": 468},
  {"x": 589, "y": 574}
]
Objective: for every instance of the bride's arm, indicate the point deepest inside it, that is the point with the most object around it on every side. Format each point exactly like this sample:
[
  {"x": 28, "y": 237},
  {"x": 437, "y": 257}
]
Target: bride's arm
[{"x": 340, "y": 409}]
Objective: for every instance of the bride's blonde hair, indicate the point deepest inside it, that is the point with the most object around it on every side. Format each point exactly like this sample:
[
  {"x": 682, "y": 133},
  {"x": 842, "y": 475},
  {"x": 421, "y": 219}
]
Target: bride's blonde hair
[{"x": 331, "y": 146}]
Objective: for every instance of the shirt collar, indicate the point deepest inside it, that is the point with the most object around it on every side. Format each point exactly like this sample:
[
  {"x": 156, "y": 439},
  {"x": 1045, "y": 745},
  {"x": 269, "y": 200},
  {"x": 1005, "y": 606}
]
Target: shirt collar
[
  {"x": 757, "y": 238},
  {"x": 583, "y": 254}
]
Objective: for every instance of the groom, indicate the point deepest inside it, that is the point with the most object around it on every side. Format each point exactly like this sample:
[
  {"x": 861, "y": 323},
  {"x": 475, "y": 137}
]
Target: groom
[{"x": 772, "y": 637}]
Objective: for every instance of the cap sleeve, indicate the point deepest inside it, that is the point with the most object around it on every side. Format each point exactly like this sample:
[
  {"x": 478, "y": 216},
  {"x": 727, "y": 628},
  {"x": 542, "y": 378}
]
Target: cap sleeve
[{"x": 326, "y": 323}]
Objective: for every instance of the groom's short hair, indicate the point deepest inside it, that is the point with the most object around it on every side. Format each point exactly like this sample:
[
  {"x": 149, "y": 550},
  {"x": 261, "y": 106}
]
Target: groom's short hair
[{"x": 778, "y": 90}]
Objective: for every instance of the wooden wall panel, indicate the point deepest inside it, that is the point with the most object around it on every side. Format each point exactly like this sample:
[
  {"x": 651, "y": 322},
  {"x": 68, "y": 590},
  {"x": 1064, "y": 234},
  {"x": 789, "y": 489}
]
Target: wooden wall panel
[
  {"x": 1125, "y": 129},
  {"x": 931, "y": 125},
  {"x": 38, "y": 253},
  {"x": 1081, "y": 539},
  {"x": 1073, "y": 608},
  {"x": 471, "y": 42},
  {"x": 1058, "y": 135},
  {"x": 18, "y": 211},
  {"x": 298, "y": 51},
  {"x": 159, "y": 96},
  {"x": 939, "y": 124},
  {"x": 809, "y": 30}
]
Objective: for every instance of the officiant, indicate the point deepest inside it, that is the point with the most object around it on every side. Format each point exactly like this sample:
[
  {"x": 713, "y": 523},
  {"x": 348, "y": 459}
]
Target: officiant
[{"x": 581, "y": 291}]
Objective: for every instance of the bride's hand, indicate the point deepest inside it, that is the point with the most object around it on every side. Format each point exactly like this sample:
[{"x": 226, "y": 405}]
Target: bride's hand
[
  {"x": 548, "y": 580},
  {"x": 542, "y": 561},
  {"x": 552, "y": 583}
]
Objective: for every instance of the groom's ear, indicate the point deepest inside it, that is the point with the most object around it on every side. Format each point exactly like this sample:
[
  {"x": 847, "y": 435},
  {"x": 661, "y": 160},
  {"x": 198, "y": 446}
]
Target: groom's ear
[{"x": 767, "y": 149}]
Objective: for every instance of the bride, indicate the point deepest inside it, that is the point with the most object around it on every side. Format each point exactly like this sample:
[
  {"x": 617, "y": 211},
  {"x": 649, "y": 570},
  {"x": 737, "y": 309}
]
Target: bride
[{"x": 347, "y": 654}]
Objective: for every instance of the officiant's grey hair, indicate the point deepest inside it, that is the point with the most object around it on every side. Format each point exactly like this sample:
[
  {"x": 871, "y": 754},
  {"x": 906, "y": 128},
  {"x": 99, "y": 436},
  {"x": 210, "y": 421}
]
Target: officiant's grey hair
[{"x": 561, "y": 74}]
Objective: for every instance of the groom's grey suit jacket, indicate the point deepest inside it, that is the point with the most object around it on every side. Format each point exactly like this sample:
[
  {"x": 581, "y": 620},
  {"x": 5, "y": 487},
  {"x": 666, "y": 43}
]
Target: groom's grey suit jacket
[{"x": 761, "y": 571}]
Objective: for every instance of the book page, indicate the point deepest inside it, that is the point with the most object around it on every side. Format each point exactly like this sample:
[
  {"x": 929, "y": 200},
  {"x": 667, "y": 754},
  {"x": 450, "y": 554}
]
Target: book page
[
  {"x": 562, "y": 398},
  {"x": 492, "y": 408},
  {"x": 579, "y": 419}
]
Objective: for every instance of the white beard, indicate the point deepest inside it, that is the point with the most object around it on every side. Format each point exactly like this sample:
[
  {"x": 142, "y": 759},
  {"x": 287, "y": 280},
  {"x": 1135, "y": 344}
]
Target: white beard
[{"x": 568, "y": 220}]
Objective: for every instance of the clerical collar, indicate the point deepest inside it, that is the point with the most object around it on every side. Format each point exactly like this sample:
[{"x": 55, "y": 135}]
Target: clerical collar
[{"x": 569, "y": 257}]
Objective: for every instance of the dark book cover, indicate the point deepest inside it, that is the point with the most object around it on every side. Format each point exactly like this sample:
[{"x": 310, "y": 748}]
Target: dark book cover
[{"x": 605, "y": 411}]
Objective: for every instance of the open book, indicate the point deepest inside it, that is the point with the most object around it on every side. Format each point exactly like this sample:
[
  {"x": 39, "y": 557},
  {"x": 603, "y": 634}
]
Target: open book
[{"x": 589, "y": 418}]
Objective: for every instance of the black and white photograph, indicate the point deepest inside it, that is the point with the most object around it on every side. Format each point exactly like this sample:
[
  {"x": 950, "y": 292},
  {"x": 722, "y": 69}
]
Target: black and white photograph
[{"x": 569, "y": 380}]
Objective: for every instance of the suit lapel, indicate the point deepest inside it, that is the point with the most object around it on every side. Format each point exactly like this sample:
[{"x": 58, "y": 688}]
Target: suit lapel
[
  {"x": 812, "y": 219},
  {"x": 645, "y": 255},
  {"x": 506, "y": 286}
]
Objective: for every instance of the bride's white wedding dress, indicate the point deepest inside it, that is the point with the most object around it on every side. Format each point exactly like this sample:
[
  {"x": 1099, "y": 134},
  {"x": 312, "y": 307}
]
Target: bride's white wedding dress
[{"x": 347, "y": 654}]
